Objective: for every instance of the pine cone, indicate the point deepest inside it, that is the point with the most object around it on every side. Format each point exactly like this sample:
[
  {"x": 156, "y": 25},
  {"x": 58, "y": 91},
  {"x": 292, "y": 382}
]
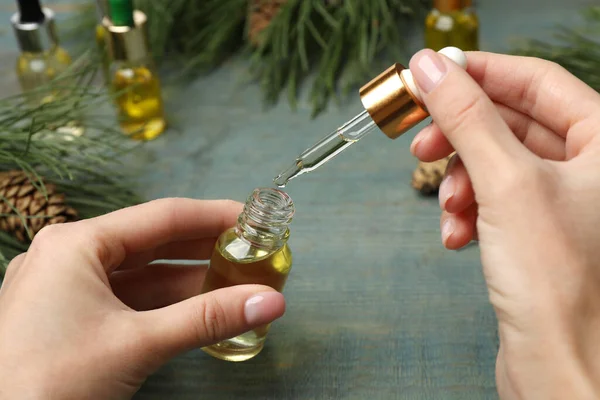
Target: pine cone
[
  {"x": 427, "y": 177},
  {"x": 261, "y": 13},
  {"x": 18, "y": 192}
]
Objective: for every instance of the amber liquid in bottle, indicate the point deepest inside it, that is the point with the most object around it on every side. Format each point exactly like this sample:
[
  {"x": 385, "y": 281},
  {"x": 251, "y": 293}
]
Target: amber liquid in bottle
[
  {"x": 37, "y": 69},
  {"x": 102, "y": 50},
  {"x": 139, "y": 102},
  {"x": 236, "y": 260},
  {"x": 452, "y": 23}
]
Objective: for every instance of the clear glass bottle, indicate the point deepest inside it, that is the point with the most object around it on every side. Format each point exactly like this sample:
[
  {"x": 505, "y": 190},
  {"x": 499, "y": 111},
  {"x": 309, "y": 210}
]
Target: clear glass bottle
[
  {"x": 133, "y": 79},
  {"x": 41, "y": 58},
  {"x": 255, "y": 251},
  {"x": 40, "y": 61},
  {"x": 452, "y": 23}
]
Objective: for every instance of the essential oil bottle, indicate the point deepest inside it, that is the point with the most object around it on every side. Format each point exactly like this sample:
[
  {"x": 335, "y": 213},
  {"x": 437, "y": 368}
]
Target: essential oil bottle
[
  {"x": 255, "y": 251},
  {"x": 133, "y": 78},
  {"x": 41, "y": 57},
  {"x": 452, "y": 23}
]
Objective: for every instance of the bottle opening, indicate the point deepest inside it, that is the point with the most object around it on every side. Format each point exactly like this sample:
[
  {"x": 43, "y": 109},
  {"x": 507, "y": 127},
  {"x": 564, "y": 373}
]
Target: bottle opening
[
  {"x": 273, "y": 202},
  {"x": 266, "y": 216}
]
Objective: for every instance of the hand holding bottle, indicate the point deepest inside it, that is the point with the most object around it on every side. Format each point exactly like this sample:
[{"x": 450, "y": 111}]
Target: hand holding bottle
[
  {"x": 526, "y": 182},
  {"x": 83, "y": 315}
]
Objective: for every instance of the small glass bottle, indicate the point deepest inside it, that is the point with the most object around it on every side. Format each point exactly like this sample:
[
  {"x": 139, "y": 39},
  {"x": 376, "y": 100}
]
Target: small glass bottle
[
  {"x": 133, "y": 78},
  {"x": 452, "y": 23},
  {"x": 41, "y": 59},
  {"x": 255, "y": 251}
]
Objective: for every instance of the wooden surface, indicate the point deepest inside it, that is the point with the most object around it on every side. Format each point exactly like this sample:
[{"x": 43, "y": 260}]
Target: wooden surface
[{"x": 377, "y": 309}]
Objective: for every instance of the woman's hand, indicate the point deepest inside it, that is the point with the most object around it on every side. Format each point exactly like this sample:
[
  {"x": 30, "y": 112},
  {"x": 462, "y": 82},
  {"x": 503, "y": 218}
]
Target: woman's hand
[
  {"x": 83, "y": 315},
  {"x": 526, "y": 183}
]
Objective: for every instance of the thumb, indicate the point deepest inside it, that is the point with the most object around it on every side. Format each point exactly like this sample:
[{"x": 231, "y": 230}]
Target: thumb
[
  {"x": 466, "y": 116},
  {"x": 209, "y": 318}
]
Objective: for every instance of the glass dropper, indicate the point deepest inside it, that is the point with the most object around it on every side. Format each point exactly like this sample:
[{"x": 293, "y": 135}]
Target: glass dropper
[
  {"x": 330, "y": 146},
  {"x": 392, "y": 104}
]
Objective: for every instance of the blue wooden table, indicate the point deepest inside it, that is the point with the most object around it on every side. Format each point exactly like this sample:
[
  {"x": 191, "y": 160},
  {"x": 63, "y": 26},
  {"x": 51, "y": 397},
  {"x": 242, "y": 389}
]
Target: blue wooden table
[{"x": 377, "y": 309}]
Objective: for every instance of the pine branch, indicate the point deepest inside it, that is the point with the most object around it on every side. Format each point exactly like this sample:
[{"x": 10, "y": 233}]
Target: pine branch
[
  {"x": 88, "y": 169},
  {"x": 207, "y": 33},
  {"x": 339, "y": 43}
]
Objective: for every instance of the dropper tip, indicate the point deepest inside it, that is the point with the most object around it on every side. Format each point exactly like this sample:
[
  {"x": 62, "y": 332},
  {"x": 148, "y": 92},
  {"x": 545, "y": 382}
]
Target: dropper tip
[
  {"x": 290, "y": 173},
  {"x": 280, "y": 181}
]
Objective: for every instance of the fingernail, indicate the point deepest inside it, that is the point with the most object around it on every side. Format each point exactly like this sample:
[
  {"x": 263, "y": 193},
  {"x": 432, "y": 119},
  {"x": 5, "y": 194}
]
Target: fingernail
[
  {"x": 262, "y": 308},
  {"x": 428, "y": 69},
  {"x": 447, "y": 190},
  {"x": 418, "y": 139},
  {"x": 447, "y": 230}
]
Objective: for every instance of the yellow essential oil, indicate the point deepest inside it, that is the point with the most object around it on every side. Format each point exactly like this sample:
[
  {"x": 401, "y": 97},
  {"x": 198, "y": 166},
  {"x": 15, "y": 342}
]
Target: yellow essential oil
[
  {"x": 133, "y": 79},
  {"x": 40, "y": 68},
  {"x": 103, "y": 53},
  {"x": 452, "y": 23},
  {"x": 139, "y": 102},
  {"x": 101, "y": 37},
  {"x": 253, "y": 252}
]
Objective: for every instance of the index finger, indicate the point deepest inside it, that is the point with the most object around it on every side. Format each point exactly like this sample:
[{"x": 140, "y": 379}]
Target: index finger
[
  {"x": 147, "y": 226},
  {"x": 466, "y": 115}
]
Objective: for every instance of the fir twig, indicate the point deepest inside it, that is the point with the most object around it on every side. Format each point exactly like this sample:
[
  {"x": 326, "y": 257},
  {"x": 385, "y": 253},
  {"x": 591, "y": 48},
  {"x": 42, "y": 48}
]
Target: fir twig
[
  {"x": 337, "y": 42},
  {"x": 87, "y": 169}
]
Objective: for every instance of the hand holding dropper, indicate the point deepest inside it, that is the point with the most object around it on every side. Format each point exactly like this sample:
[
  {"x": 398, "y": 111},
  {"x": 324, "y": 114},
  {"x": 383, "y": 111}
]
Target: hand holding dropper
[{"x": 392, "y": 103}]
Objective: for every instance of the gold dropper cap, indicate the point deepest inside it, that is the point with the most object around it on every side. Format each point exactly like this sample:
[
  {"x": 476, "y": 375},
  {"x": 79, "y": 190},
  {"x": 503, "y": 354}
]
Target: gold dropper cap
[
  {"x": 126, "y": 43},
  {"x": 446, "y": 6},
  {"x": 35, "y": 37},
  {"x": 391, "y": 104}
]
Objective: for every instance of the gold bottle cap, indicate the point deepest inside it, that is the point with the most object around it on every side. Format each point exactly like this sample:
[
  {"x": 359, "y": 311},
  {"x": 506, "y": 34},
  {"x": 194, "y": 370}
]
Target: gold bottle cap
[
  {"x": 391, "y": 104},
  {"x": 34, "y": 37},
  {"x": 446, "y": 6},
  {"x": 128, "y": 43}
]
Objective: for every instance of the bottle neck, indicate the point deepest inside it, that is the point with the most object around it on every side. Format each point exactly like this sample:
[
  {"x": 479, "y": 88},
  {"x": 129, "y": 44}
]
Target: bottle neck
[
  {"x": 128, "y": 43},
  {"x": 35, "y": 37},
  {"x": 266, "y": 217}
]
